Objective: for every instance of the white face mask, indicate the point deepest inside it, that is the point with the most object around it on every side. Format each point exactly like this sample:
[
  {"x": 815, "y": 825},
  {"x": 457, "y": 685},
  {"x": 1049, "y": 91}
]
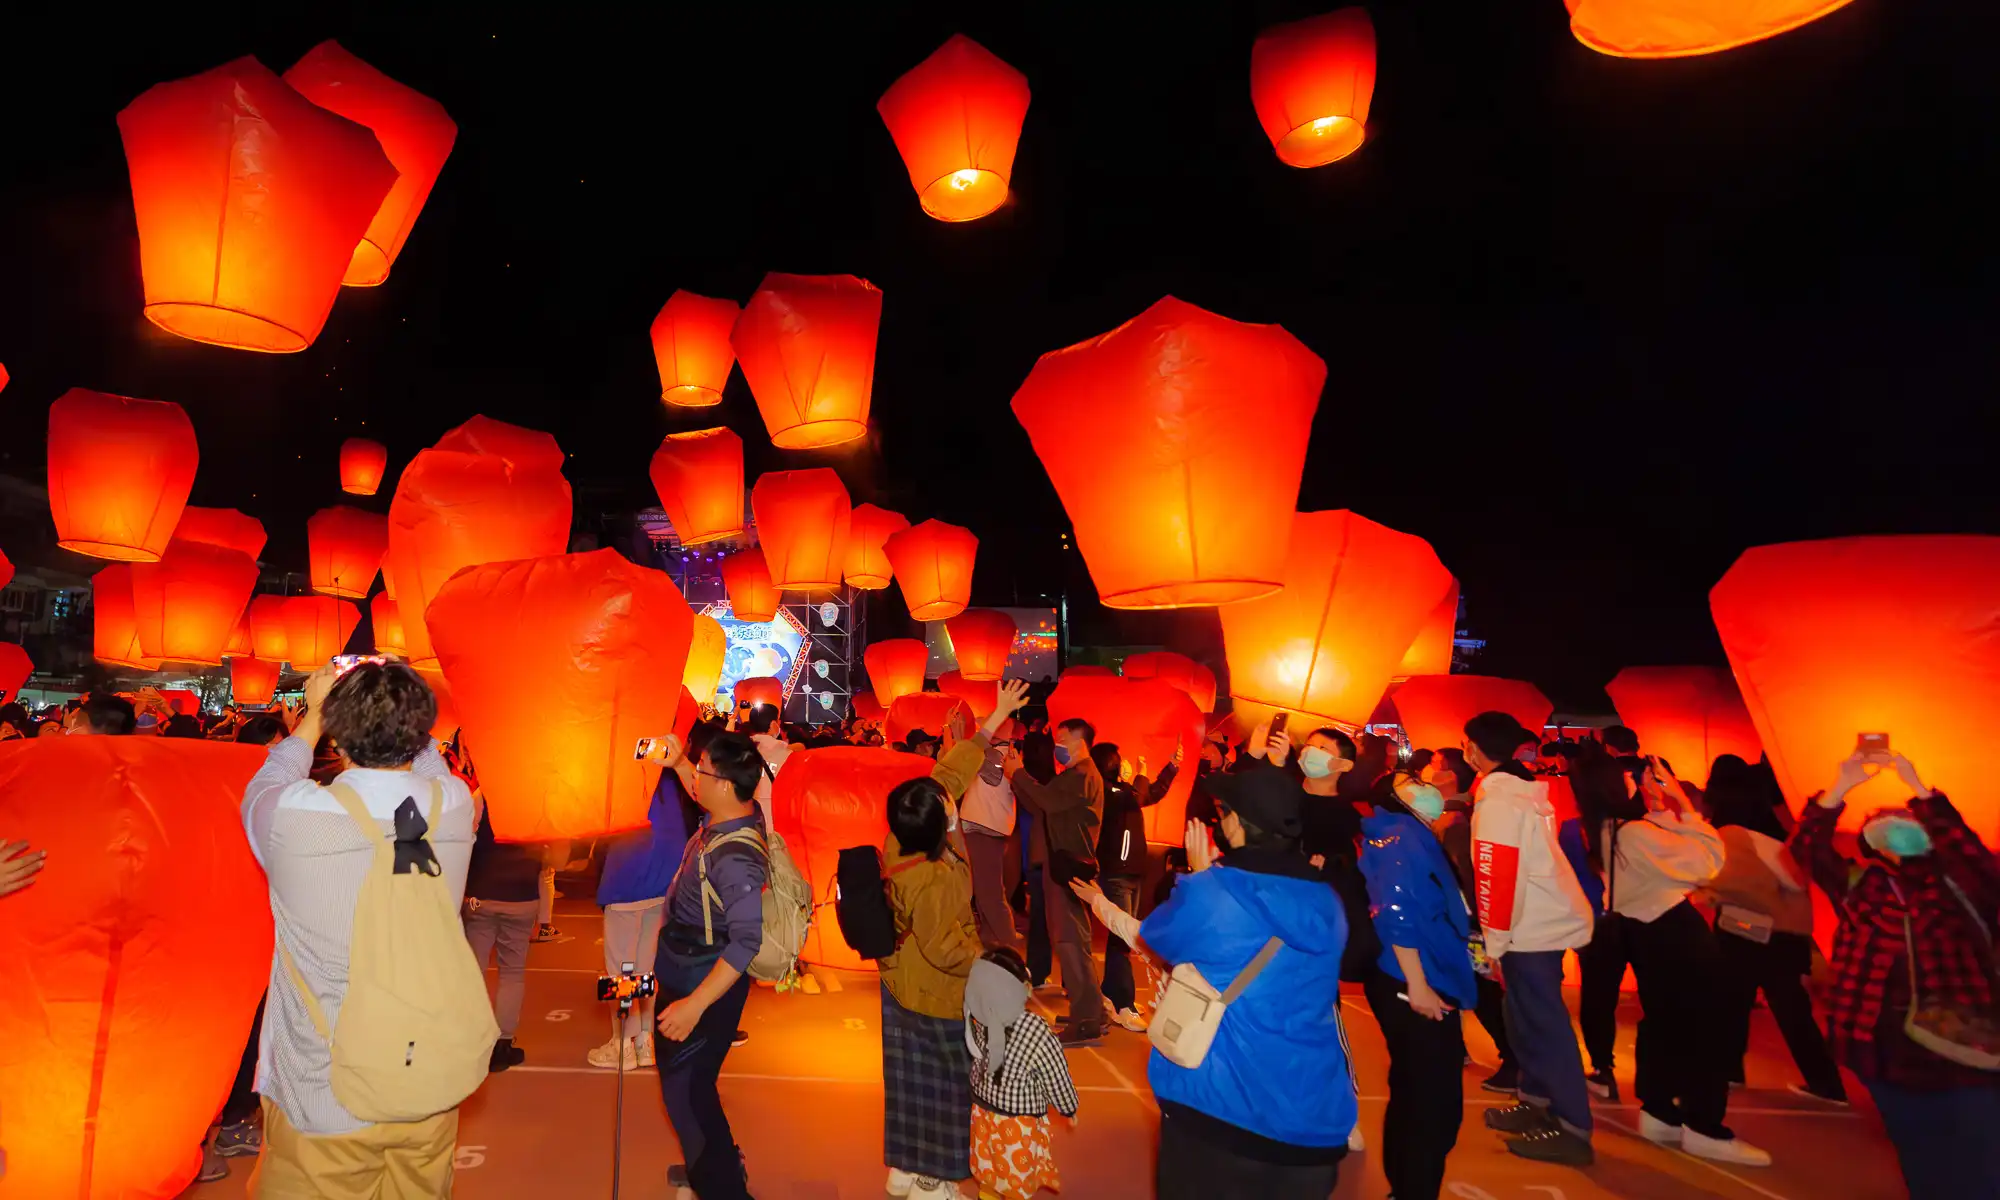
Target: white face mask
[
  {"x": 1424, "y": 800},
  {"x": 1315, "y": 762}
]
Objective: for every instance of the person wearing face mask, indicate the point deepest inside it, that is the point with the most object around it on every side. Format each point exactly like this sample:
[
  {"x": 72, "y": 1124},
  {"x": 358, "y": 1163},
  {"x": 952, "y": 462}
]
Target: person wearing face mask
[
  {"x": 1068, "y": 811},
  {"x": 1916, "y": 918},
  {"x": 986, "y": 816},
  {"x": 1452, "y": 776},
  {"x": 1332, "y": 822}
]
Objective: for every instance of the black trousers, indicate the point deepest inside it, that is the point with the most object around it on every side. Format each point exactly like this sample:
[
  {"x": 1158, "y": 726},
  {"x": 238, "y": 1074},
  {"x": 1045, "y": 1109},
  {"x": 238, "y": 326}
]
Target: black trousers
[
  {"x": 242, "y": 1102},
  {"x": 1683, "y": 1068},
  {"x": 1777, "y": 968},
  {"x": 688, "y": 1074},
  {"x": 1426, "y": 1096},
  {"x": 1193, "y": 1168},
  {"x": 1041, "y": 953},
  {"x": 1492, "y": 1014},
  {"x": 1120, "y": 990},
  {"x": 1603, "y": 964}
]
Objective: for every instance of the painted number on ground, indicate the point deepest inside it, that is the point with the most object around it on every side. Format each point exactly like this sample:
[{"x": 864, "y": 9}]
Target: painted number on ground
[
  {"x": 559, "y": 1014},
  {"x": 469, "y": 1157},
  {"x": 855, "y": 1023},
  {"x": 1467, "y": 1191}
]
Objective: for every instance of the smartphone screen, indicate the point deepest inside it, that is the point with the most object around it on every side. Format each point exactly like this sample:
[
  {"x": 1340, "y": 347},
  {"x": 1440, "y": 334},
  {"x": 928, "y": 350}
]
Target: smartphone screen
[
  {"x": 644, "y": 748},
  {"x": 1278, "y": 724},
  {"x": 1872, "y": 743}
]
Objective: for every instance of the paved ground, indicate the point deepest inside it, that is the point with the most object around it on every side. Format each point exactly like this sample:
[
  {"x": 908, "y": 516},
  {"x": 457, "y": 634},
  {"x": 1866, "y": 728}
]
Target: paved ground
[{"x": 805, "y": 1097}]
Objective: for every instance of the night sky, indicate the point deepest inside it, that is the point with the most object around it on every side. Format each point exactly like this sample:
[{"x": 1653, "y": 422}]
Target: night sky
[{"x": 1593, "y": 325}]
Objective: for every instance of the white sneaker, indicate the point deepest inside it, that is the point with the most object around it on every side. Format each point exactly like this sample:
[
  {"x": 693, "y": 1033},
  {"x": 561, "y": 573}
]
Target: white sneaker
[
  {"x": 926, "y": 1188},
  {"x": 1728, "y": 1150},
  {"x": 645, "y": 1050},
  {"x": 607, "y": 1055},
  {"x": 1655, "y": 1130},
  {"x": 1355, "y": 1142},
  {"x": 900, "y": 1182},
  {"x": 1130, "y": 1019}
]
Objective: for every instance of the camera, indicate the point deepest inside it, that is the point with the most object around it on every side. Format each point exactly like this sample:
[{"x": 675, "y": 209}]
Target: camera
[{"x": 627, "y": 987}]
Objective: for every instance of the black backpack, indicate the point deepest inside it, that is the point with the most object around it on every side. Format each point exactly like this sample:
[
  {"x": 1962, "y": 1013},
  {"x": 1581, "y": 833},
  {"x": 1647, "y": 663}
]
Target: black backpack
[
  {"x": 861, "y": 905},
  {"x": 1121, "y": 843}
]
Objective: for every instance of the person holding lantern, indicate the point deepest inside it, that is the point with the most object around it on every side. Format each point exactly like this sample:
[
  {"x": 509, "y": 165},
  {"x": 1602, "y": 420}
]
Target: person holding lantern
[{"x": 1069, "y": 811}]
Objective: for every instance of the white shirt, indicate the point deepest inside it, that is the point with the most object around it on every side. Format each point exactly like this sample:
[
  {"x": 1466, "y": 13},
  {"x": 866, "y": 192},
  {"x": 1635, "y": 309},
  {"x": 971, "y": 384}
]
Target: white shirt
[
  {"x": 990, "y": 806},
  {"x": 1658, "y": 861}
]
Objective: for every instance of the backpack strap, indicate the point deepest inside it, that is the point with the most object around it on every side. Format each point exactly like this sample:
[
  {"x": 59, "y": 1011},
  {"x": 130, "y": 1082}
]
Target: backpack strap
[
  {"x": 1250, "y": 973},
  {"x": 313, "y": 1009},
  {"x": 357, "y": 811},
  {"x": 710, "y": 898}
]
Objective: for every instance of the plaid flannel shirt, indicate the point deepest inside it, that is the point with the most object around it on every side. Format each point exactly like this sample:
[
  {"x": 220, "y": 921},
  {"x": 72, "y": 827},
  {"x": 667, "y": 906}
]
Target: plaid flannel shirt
[
  {"x": 1036, "y": 1078},
  {"x": 1870, "y": 997}
]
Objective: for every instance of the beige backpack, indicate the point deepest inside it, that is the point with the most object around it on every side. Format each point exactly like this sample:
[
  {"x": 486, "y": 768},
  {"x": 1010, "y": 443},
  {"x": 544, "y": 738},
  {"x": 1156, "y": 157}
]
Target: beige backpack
[
  {"x": 1190, "y": 1010},
  {"x": 415, "y": 1034},
  {"x": 787, "y": 904}
]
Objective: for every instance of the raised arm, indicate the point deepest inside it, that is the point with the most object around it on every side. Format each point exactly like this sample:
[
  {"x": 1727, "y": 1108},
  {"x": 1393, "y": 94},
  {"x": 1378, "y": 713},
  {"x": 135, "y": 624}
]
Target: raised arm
[{"x": 1812, "y": 843}]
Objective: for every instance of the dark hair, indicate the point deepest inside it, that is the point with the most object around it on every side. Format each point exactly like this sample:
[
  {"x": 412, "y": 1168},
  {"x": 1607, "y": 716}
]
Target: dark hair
[
  {"x": 1418, "y": 760},
  {"x": 1008, "y": 960},
  {"x": 1080, "y": 727},
  {"x": 1109, "y": 762},
  {"x": 1038, "y": 756},
  {"x": 181, "y": 725},
  {"x": 380, "y": 714},
  {"x": 1620, "y": 740},
  {"x": 260, "y": 730},
  {"x": 917, "y": 816},
  {"x": 1740, "y": 794},
  {"x": 1346, "y": 744},
  {"x": 735, "y": 758},
  {"x": 762, "y": 717},
  {"x": 1497, "y": 735},
  {"x": 112, "y": 716},
  {"x": 1597, "y": 780},
  {"x": 1454, "y": 760},
  {"x": 1371, "y": 763},
  {"x": 17, "y": 716}
]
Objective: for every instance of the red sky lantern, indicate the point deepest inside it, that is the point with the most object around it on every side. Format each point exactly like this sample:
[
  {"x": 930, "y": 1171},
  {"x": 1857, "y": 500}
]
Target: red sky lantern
[
  {"x": 1832, "y": 639},
  {"x": 316, "y": 629},
  {"x": 699, "y": 478},
  {"x": 125, "y": 1010},
  {"x": 895, "y": 668},
  {"x": 252, "y": 681},
  {"x": 1310, "y": 82},
  {"x": 115, "y": 632},
  {"x": 1686, "y": 715},
  {"x": 708, "y": 649},
  {"x": 933, "y": 563},
  {"x": 187, "y": 603},
  {"x": 1145, "y": 718},
  {"x": 563, "y": 767},
  {"x": 1325, "y": 648},
  {"x": 807, "y": 345},
  {"x": 982, "y": 696},
  {"x": 829, "y": 798},
  {"x": 6, "y": 570},
  {"x": 15, "y": 667},
  {"x": 1210, "y": 418},
  {"x": 867, "y": 707},
  {"x": 266, "y": 618},
  {"x": 1176, "y": 669},
  {"x": 251, "y": 200},
  {"x": 1087, "y": 671},
  {"x": 1430, "y": 653},
  {"x": 1678, "y": 28},
  {"x": 868, "y": 527},
  {"x": 687, "y": 710},
  {"x": 802, "y": 526},
  {"x": 929, "y": 711},
  {"x": 346, "y": 547},
  {"x": 238, "y": 644},
  {"x": 747, "y": 579},
  {"x": 982, "y": 639},
  {"x": 119, "y": 473},
  {"x": 3, "y": 377},
  {"x": 956, "y": 119},
  {"x": 221, "y": 527},
  {"x": 1433, "y": 709},
  {"x": 447, "y": 724},
  {"x": 362, "y": 464},
  {"x": 413, "y": 129},
  {"x": 691, "y": 347},
  {"x": 526, "y": 449},
  {"x": 760, "y": 689},
  {"x": 388, "y": 625}
]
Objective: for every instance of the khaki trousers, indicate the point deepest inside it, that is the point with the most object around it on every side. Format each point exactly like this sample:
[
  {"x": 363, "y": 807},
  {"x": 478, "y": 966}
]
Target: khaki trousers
[{"x": 390, "y": 1161}]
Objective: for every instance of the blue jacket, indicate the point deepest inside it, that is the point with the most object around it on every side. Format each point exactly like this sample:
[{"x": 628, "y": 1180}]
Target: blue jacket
[
  {"x": 1415, "y": 900},
  {"x": 1570, "y": 837},
  {"x": 1278, "y": 1067},
  {"x": 640, "y": 865}
]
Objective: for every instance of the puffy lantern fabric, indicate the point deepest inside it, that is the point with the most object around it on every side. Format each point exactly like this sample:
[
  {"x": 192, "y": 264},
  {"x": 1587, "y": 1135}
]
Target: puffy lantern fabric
[
  {"x": 699, "y": 477},
  {"x": 1895, "y": 635},
  {"x": 130, "y": 971},
  {"x": 1326, "y": 647},
  {"x": 252, "y": 681},
  {"x": 388, "y": 624},
  {"x": 981, "y": 696},
  {"x": 1686, "y": 715},
  {"x": 807, "y": 345},
  {"x": 251, "y": 200},
  {"x": 346, "y": 547},
  {"x": 1310, "y": 82},
  {"x": 767, "y": 690},
  {"x": 708, "y": 649},
  {"x": 1677, "y": 28},
  {"x": 867, "y": 707},
  {"x": 221, "y": 527},
  {"x": 982, "y": 639},
  {"x": 928, "y": 711},
  {"x": 316, "y": 629},
  {"x": 15, "y": 667},
  {"x": 6, "y": 570},
  {"x": 824, "y": 800},
  {"x": 895, "y": 668},
  {"x": 119, "y": 473},
  {"x": 526, "y": 449},
  {"x": 933, "y": 563},
  {"x": 687, "y": 710},
  {"x": 447, "y": 724},
  {"x": 187, "y": 603},
  {"x": 752, "y": 596},
  {"x": 362, "y": 464},
  {"x": 1433, "y": 709},
  {"x": 1146, "y": 718},
  {"x": 802, "y": 526},
  {"x": 115, "y": 618},
  {"x": 868, "y": 527},
  {"x": 413, "y": 129},
  {"x": 1088, "y": 671},
  {"x": 1176, "y": 669},
  {"x": 956, "y": 119},
  {"x": 691, "y": 347},
  {"x": 266, "y": 617},
  {"x": 600, "y": 644},
  {"x": 1210, "y": 418},
  {"x": 238, "y": 644},
  {"x": 1430, "y": 653}
]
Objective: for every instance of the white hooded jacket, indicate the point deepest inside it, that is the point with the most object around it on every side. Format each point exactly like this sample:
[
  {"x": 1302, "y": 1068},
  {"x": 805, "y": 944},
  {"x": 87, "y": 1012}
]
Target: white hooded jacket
[{"x": 1529, "y": 898}]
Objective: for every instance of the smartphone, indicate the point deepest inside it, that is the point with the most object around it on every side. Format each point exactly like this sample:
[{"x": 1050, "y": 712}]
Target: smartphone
[
  {"x": 1278, "y": 724},
  {"x": 1871, "y": 743},
  {"x": 644, "y": 747},
  {"x": 343, "y": 663}
]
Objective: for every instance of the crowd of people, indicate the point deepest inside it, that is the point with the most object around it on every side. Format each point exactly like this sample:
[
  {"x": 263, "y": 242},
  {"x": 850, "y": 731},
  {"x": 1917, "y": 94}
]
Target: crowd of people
[{"x": 1435, "y": 881}]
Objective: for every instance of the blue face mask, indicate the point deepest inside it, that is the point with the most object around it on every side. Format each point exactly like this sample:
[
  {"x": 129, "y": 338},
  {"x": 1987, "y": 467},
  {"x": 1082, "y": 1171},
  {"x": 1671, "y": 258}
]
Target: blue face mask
[
  {"x": 1062, "y": 755},
  {"x": 1315, "y": 763},
  {"x": 1424, "y": 800},
  {"x": 1900, "y": 836}
]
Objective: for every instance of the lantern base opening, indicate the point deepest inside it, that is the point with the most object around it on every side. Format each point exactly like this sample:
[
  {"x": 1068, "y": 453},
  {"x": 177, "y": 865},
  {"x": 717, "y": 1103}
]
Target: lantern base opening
[
  {"x": 356, "y": 491},
  {"x": 1200, "y": 593},
  {"x": 869, "y": 583},
  {"x": 345, "y": 593},
  {"x": 368, "y": 268},
  {"x": 814, "y": 435},
  {"x": 111, "y": 551},
  {"x": 1693, "y": 47},
  {"x": 220, "y": 326},
  {"x": 1317, "y": 143},
  {"x": 689, "y": 395},
  {"x": 965, "y": 195}
]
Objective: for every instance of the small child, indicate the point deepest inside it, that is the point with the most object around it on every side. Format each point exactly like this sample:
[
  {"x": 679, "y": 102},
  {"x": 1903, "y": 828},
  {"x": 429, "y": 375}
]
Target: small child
[{"x": 1018, "y": 1074}]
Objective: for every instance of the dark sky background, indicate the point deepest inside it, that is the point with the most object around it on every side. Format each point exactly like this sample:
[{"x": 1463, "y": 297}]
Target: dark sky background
[{"x": 1593, "y": 325}]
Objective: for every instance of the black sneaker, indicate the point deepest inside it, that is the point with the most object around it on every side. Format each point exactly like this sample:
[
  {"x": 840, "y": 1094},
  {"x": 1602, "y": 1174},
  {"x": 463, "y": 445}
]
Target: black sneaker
[
  {"x": 1073, "y": 1036},
  {"x": 1603, "y": 1085},
  {"x": 1553, "y": 1144},
  {"x": 545, "y": 933},
  {"x": 506, "y": 1054},
  {"x": 1505, "y": 1080},
  {"x": 1518, "y": 1118},
  {"x": 739, "y": 1037}
]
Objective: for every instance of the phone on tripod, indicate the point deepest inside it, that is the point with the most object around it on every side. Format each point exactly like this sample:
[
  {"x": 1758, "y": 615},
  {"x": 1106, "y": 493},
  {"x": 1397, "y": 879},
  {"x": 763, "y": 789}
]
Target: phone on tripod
[{"x": 626, "y": 988}]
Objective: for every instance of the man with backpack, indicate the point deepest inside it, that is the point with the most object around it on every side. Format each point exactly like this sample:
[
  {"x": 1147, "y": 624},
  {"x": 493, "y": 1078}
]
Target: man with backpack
[{"x": 366, "y": 879}]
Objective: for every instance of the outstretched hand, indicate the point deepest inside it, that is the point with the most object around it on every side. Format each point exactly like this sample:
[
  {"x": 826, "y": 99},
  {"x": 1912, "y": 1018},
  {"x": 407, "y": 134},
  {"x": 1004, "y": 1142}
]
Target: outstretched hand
[
  {"x": 1907, "y": 772},
  {"x": 1855, "y": 770},
  {"x": 1200, "y": 847},
  {"x": 1013, "y": 695}
]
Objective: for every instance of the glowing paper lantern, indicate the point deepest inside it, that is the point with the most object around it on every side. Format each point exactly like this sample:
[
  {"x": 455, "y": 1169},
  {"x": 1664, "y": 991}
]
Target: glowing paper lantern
[
  {"x": 1178, "y": 670},
  {"x": 6, "y": 570},
  {"x": 238, "y": 644},
  {"x": 251, "y": 200},
  {"x": 115, "y": 620},
  {"x": 600, "y": 643},
  {"x": 752, "y": 595},
  {"x": 1677, "y": 28},
  {"x": 388, "y": 624},
  {"x": 1310, "y": 82},
  {"x": 252, "y": 681},
  {"x": 933, "y": 563},
  {"x": 868, "y": 527},
  {"x": 128, "y": 978},
  {"x": 316, "y": 629},
  {"x": 867, "y": 707},
  {"x": 691, "y": 346},
  {"x": 1210, "y": 418},
  {"x": 3, "y": 377},
  {"x": 760, "y": 689},
  {"x": 699, "y": 477},
  {"x": 119, "y": 473},
  {"x": 956, "y": 119},
  {"x": 802, "y": 526},
  {"x": 1433, "y": 709},
  {"x": 829, "y": 798},
  {"x": 524, "y": 449},
  {"x": 708, "y": 648},
  {"x": 221, "y": 527},
  {"x": 362, "y": 464},
  {"x": 447, "y": 724},
  {"x": 1893, "y": 635},
  {"x": 266, "y": 618},
  {"x": 928, "y": 711},
  {"x": 1430, "y": 653},
  {"x": 982, "y": 639},
  {"x": 414, "y": 130},
  {"x": 807, "y": 345},
  {"x": 1145, "y": 718},
  {"x": 1686, "y": 715},
  {"x": 15, "y": 667},
  {"x": 895, "y": 668},
  {"x": 187, "y": 603},
  {"x": 1087, "y": 671},
  {"x": 981, "y": 696},
  {"x": 1325, "y": 648},
  {"x": 346, "y": 550}
]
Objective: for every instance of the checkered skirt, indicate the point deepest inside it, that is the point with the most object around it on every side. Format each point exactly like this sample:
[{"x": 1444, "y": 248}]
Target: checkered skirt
[{"x": 927, "y": 1093}]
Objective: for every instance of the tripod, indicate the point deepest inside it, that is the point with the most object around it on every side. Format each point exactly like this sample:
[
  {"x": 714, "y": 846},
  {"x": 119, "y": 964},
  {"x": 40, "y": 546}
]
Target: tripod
[{"x": 626, "y": 988}]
